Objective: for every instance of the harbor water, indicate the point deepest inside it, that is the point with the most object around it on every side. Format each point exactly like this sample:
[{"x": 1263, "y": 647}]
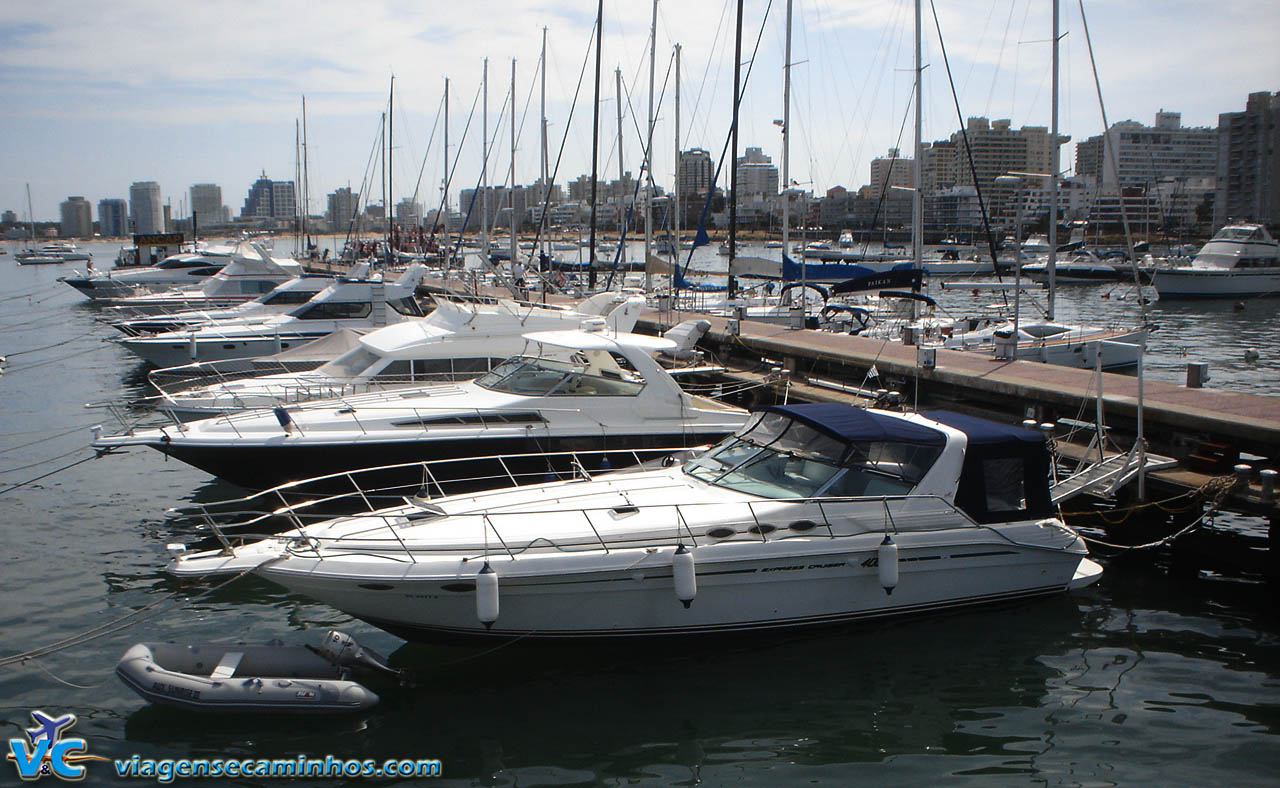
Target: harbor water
[{"x": 1152, "y": 676}]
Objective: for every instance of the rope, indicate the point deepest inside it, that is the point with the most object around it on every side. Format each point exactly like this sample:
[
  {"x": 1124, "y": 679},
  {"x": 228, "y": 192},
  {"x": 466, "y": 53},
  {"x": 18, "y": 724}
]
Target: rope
[
  {"x": 1220, "y": 496},
  {"x": 46, "y": 475},
  {"x": 71, "y": 684},
  {"x": 125, "y": 621},
  {"x": 43, "y": 462}
]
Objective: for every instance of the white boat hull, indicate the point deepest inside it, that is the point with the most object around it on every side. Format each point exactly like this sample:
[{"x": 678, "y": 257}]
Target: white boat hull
[
  {"x": 797, "y": 585},
  {"x": 1217, "y": 283}
]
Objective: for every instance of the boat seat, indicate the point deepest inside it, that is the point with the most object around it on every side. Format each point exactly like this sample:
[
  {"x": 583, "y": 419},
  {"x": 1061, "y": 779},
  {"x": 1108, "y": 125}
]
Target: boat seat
[{"x": 226, "y": 667}]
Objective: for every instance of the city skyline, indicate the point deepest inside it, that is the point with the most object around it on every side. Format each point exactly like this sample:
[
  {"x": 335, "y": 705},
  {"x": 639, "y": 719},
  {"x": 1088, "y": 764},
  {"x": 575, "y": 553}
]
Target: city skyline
[{"x": 97, "y": 104}]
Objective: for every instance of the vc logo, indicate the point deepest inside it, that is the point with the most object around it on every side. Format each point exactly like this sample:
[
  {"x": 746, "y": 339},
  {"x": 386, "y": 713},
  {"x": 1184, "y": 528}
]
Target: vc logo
[{"x": 48, "y": 752}]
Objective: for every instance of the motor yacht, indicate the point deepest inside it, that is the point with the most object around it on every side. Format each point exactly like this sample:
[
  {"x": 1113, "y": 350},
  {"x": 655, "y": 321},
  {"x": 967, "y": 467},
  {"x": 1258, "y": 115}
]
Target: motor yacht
[
  {"x": 455, "y": 342},
  {"x": 346, "y": 303},
  {"x": 808, "y": 515},
  {"x": 52, "y": 254},
  {"x": 1241, "y": 260},
  {"x": 250, "y": 273},
  {"x": 174, "y": 271},
  {"x": 574, "y": 390}
]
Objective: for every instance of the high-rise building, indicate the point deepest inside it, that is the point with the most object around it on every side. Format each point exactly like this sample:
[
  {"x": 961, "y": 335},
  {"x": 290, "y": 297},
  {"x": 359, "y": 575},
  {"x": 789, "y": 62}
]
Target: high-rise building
[
  {"x": 696, "y": 172},
  {"x": 343, "y": 207},
  {"x": 206, "y": 203},
  {"x": 113, "y": 218},
  {"x": 939, "y": 166},
  {"x": 145, "y": 207},
  {"x": 891, "y": 170},
  {"x": 77, "y": 218},
  {"x": 268, "y": 199},
  {"x": 757, "y": 175},
  {"x": 409, "y": 213},
  {"x": 1131, "y": 154},
  {"x": 1248, "y": 162}
]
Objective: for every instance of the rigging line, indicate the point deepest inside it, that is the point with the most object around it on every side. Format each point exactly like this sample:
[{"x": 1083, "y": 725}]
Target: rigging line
[
  {"x": 30, "y": 293},
  {"x": 746, "y": 79},
  {"x": 64, "y": 455},
  {"x": 995, "y": 74},
  {"x": 124, "y": 622},
  {"x": 45, "y": 476},
  {"x": 697, "y": 100},
  {"x": 564, "y": 141},
  {"x": 977, "y": 188},
  {"x": 448, "y": 179},
  {"x": 430, "y": 140},
  {"x": 46, "y": 362},
  {"x": 51, "y": 347}
]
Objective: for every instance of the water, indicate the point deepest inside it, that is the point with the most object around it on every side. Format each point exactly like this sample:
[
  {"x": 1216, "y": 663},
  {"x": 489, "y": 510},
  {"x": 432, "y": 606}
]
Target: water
[{"x": 1143, "y": 678}]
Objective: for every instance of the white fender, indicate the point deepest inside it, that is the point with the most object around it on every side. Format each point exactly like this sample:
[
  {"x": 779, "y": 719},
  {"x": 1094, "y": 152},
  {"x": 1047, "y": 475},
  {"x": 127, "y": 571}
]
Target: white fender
[
  {"x": 487, "y": 595},
  {"x": 887, "y": 560},
  {"x": 685, "y": 574}
]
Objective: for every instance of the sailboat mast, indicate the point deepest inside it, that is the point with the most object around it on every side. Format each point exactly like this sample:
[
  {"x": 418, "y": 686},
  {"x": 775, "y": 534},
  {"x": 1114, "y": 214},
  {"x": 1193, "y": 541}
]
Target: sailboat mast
[
  {"x": 389, "y": 208},
  {"x": 786, "y": 152},
  {"x": 648, "y": 151},
  {"x": 306, "y": 181},
  {"x": 484, "y": 162},
  {"x": 542, "y": 168},
  {"x": 917, "y": 195},
  {"x": 513, "y": 166},
  {"x": 1054, "y": 165},
  {"x": 733, "y": 155},
  {"x": 675, "y": 253},
  {"x": 595, "y": 148},
  {"x": 622, "y": 200},
  {"x": 444, "y": 179}
]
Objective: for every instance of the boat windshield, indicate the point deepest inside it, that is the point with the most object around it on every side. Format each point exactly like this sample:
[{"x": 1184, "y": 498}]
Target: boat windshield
[
  {"x": 777, "y": 457},
  {"x": 586, "y": 375},
  {"x": 350, "y": 364}
]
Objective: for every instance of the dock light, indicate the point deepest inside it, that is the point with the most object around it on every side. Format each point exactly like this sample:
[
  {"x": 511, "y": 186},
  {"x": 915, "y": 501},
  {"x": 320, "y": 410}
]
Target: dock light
[
  {"x": 1242, "y": 472},
  {"x": 1268, "y": 478}
]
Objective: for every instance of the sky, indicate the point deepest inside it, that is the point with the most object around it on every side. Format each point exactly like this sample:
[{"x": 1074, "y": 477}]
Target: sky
[{"x": 97, "y": 95}]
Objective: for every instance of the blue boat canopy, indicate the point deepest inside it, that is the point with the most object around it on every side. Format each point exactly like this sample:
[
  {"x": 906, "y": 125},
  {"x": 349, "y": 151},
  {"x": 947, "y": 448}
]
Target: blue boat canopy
[
  {"x": 851, "y": 424},
  {"x": 984, "y": 431}
]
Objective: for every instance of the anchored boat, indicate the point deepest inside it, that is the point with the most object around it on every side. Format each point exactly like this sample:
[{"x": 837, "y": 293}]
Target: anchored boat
[{"x": 810, "y": 514}]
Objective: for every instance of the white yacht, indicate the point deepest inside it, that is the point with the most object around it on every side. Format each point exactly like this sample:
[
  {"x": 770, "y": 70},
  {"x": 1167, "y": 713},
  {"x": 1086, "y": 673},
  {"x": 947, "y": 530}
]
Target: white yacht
[
  {"x": 1241, "y": 260},
  {"x": 809, "y": 515},
  {"x": 251, "y": 272},
  {"x": 576, "y": 390},
  {"x": 177, "y": 270},
  {"x": 52, "y": 253},
  {"x": 455, "y": 342},
  {"x": 1063, "y": 344},
  {"x": 346, "y": 303}
]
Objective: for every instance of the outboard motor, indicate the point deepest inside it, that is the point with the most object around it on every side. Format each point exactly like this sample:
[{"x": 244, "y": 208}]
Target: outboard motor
[{"x": 341, "y": 649}]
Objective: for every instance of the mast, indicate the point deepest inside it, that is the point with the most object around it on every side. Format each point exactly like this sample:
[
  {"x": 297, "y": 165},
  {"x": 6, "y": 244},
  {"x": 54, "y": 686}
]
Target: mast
[
  {"x": 542, "y": 170},
  {"x": 648, "y": 151},
  {"x": 382, "y": 157},
  {"x": 513, "y": 166},
  {"x": 31, "y": 218},
  {"x": 390, "y": 207},
  {"x": 595, "y": 147},
  {"x": 917, "y": 197},
  {"x": 297, "y": 179},
  {"x": 733, "y": 156},
  {"x": 306, "y": 182},
  {"x": 484, "y": 163},
  {"x": 444, "y": 180},
  {"x": 622, "y": 198},
  {"x": 675, "y": 253},
  {"x": 1054, "y": 164},
  {"x": 786, "y": 156}
]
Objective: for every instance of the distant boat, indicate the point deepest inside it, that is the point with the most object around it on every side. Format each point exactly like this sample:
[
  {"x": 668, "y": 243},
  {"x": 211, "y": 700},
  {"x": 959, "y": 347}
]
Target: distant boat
[
  {"x": 52, "y": 253},
  {"x": 1241, "y": 260}
]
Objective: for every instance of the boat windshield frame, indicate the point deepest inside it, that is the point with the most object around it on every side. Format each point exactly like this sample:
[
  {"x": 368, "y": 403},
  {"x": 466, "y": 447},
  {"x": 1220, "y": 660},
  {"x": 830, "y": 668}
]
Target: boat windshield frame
[
  {"x": 580, "y": 376},
  {"x": 774, "y": 456}
]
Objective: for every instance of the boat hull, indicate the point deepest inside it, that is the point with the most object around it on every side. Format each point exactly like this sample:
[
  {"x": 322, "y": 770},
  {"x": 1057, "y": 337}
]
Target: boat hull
[
  {"x": 732, "y": 597},
  {"x": 171, "y": 354},
  {"x": 1217, "y": 283},
  {"x": 262, "y": 466}
]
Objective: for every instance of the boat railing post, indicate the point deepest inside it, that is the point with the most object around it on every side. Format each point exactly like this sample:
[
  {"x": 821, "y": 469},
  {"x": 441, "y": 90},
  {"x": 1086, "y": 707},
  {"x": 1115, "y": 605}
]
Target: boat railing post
[
  {"x": 290, "y": 513},
  {"x": 505, "y": 469},
  {"x": 360, "y": 491},
  {"x": 217, "y": 532},
  {"x": 752, "y": 509},
  {"x": 685, "y": 523},
  {"x": 822, "y": 512},
  {"x": 488, "y": 524}
]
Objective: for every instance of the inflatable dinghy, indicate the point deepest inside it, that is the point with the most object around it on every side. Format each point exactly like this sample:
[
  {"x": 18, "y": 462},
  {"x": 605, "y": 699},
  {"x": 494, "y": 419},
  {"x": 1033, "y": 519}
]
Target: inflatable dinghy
[{"x": 237, "y": 677}]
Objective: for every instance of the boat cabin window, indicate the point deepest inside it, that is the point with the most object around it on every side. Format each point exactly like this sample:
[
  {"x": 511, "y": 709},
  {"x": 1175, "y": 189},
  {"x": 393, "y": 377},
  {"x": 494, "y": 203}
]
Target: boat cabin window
[
  {"x": 406, "y": 306},
  {"x": 333, "y": 310},
  {"x": 284, "y": 297},
  {"x": 257, "y": 286},
  {"x": 588, "y": 374},
  {"x": 777, "y": 457},
  {"x": 350, "y": 364}
]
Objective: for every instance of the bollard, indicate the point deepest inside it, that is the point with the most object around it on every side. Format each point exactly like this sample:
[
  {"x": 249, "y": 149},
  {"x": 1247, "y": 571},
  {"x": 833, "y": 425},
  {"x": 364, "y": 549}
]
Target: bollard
[
  {"x": 1242, "y": 474},
  {"x": 1030, "y": 424},
  {"x": 1268, "y": 477},
  {"x": 927, "y": 357},
  {"x": 1197, "y": 374}
]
